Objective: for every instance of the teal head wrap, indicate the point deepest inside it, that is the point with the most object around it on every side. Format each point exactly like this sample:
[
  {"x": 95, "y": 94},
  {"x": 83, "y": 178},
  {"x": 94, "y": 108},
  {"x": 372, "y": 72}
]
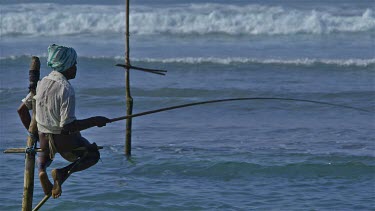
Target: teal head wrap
[{"x": 61, "y": 58}]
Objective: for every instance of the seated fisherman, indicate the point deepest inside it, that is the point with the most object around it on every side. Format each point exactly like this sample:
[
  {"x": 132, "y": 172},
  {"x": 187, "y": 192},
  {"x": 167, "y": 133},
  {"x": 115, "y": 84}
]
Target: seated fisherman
[{"x": 57, "y": 125}]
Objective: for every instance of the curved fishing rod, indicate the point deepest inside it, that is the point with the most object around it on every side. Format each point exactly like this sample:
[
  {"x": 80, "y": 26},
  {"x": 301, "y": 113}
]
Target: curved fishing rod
[{"x": 233, "y": 99}]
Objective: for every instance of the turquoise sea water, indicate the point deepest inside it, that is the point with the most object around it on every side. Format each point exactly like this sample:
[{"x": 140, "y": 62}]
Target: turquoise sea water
[{"x": 248, "y": 155}]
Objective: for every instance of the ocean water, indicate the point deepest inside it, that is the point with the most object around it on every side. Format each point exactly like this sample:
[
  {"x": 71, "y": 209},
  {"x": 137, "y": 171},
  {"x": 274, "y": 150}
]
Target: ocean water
[{"x": 245, "y": 155}]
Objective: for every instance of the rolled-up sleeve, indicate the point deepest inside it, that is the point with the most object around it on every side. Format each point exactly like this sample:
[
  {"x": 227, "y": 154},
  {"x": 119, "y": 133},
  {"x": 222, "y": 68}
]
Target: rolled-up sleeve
[{"x": 28, "y": 101}]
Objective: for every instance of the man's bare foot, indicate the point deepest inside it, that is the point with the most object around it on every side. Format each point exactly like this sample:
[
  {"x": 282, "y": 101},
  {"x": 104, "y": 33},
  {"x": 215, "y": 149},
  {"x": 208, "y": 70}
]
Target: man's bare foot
[
  {"x": 58, "y": 178},
  {"x": 44, "y": 181}
]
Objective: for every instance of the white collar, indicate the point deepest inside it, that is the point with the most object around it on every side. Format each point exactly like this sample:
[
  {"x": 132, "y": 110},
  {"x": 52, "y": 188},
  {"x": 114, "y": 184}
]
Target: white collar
[{"x": 57, "y": 76}]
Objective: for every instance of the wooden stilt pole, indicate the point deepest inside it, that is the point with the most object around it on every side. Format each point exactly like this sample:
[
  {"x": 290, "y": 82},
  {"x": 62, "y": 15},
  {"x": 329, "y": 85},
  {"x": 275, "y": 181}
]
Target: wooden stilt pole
[
  {"x": 129, "y": 99},
  {"x": 28, "y": 187},
  {"x": 128, "y": 66}
]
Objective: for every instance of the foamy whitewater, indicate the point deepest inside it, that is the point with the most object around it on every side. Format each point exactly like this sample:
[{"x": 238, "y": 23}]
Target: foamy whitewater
[
  {"x": 183, "y": 19},
  {"x": 247, "y": 155}
]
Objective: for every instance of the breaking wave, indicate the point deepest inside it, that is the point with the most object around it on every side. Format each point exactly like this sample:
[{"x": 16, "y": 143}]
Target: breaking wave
[
  {"x": 242, "y": 60},
  {"x": 186, "y": 19},
  {"x": 306, "y": 62}
]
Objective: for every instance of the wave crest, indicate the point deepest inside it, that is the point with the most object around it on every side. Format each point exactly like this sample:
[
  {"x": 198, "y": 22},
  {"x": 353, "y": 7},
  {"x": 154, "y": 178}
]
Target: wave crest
[
  {"x": 201, "y": 19},
  {"x": 354, "y": 62},
  {"x": 242, "y": 60}
]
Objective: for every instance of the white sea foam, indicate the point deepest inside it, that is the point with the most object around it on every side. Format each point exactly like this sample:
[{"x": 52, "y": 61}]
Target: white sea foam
[
  {"x": 242, "y": 60},
  {"x": 201, "y": 19},
  {"x": 231, "y": 60}
]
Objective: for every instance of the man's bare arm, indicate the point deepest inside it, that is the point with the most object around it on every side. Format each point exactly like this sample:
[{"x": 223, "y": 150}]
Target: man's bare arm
[
  {"x": 23, "y": 113},
  {"x": 79, "y": 125}
]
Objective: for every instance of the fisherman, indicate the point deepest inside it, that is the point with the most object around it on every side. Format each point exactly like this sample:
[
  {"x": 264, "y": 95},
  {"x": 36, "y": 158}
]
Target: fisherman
[{"x": 58, "y": 127}]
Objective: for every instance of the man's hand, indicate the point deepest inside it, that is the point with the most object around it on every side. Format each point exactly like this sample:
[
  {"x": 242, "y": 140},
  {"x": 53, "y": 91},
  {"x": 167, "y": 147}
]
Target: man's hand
[{"x": 101, "y": 121}]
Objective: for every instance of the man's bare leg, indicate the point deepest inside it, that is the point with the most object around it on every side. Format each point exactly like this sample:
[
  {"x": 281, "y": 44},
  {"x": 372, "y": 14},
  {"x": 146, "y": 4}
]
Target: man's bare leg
[
  {"x": 44, "y": 181},
  {"x": 67, "y": 143},
  {"x": 43, "y": 162},
  {"x": 59, "y": 176}
]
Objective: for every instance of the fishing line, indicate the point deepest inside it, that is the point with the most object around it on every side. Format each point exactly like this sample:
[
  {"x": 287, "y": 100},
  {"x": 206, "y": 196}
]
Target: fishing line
[{"x": 233, "y": 99}]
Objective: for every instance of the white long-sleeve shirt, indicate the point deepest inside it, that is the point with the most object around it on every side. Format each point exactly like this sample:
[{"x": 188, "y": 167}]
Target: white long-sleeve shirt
[{"x": 55, "y": 103}]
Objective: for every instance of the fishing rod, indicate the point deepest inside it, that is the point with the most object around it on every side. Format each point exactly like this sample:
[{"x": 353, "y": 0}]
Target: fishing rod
[{"x": 233, "y": 99}]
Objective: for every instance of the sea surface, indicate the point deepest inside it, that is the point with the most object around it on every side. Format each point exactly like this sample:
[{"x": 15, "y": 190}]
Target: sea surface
[{"x": 242, "y": 155}]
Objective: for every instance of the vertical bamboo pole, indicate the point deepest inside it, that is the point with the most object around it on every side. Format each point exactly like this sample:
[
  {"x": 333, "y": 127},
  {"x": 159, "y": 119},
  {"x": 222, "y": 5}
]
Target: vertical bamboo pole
[
  {"x": 129, "y": 99},
  {"x": 28, "y": 187}
]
